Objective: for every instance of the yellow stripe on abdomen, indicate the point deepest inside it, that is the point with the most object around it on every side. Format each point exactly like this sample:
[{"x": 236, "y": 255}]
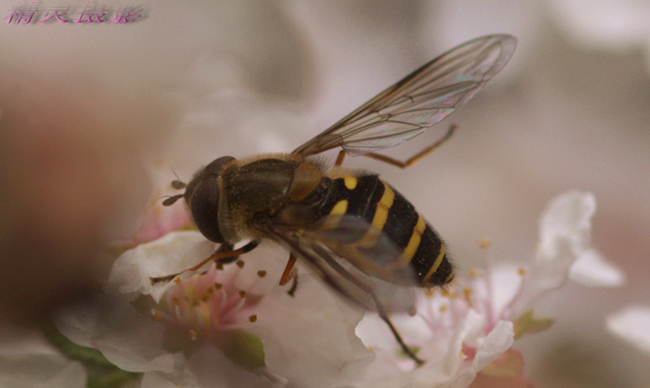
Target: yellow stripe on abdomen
[
  {"x": 350, "y": 182},
  {"x": 414, "y": 242},
  {"x": 379, "y": 218},
  {"x": 436, "y": 264},
  {"x": 340, "y": 208}
]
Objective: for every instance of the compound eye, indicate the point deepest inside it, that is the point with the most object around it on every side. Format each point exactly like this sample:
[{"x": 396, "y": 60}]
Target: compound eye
[
  {"x": 205, "y": 210},
  {"x": 214, "y": 168}
]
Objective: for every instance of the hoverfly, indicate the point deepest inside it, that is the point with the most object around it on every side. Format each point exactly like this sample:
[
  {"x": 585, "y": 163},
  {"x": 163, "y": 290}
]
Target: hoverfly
[{"x": 355, "y": 230}]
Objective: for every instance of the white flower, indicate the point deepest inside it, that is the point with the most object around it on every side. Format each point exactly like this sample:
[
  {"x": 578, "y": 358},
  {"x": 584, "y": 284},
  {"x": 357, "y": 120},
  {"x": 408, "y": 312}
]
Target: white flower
[
  {"x": 227, "y": 327},
  {"x": 633, "y": 325},
  {"x": 462, "y": 331},
  {"x": 564, "y": 241}
]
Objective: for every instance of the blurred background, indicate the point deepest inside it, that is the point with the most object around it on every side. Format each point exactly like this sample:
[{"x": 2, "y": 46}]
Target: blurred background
[{"x": 95, "y": 117}]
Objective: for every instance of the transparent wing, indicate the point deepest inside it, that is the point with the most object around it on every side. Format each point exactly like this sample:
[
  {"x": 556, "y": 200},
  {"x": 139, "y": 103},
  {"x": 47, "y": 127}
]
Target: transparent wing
[
  {"x": 420, "y": 100},
  {"x": 365, "y": 275}
]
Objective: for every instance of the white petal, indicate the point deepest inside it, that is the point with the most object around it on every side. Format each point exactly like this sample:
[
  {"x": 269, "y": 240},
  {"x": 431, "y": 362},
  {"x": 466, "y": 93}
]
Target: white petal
[
  {"x": 172, "y": 253},
  {"x": 506, "y": 281},
  {"x": 310, "y": 339},
  {"x": 127, "y": 339},
  {"x": 593, "y": 270},
  {"x": 443, "y": 371},
  {"x": 567, "y": 217},
  {"x": 492, "y": 347},
  {"x": 633, "y": 325},
  {"x": 163, "y": 380},
  {"x": 40, "y": 370},
  {"x": 214, "y": 370},
  {"x": 565, "y": 229}
]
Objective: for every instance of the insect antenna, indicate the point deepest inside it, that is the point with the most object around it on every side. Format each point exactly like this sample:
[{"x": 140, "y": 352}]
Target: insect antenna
[
  {"x": 177, "y": 183},
  {"x": 171, "y": 199}
]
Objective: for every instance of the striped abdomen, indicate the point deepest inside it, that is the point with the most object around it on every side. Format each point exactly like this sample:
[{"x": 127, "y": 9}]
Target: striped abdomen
[{"x": 371, "y": 198}]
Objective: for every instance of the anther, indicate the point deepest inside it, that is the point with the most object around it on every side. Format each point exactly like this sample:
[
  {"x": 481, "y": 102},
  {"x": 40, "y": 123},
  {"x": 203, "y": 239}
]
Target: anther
[
  {"x": 467, "y": 292},
  {"x": 484, "y": 243},
  {"x": 252, "y": 318}
]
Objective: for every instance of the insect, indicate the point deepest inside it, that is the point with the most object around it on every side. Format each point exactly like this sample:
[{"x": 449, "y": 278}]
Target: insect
[{"x": 354, "y": 229}]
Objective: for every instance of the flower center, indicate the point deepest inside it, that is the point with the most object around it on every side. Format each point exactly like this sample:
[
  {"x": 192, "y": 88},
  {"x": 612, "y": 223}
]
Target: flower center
[{"x": 204, "y": 304}]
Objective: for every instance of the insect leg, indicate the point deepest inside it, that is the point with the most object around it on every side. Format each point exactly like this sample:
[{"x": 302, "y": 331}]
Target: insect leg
[
  {"x": 415, "y": 158},
  {"x": 398, "y": 337},
  {"x": 217, "y": 256},
  {"x": 226, "y": 247},
  {"x": 289, "y": 271},
  {"x": 339, "y": 159},
  {"x": 294, "y": 285},
  {"x": 380, "y": 307},
  {"x": 320, "y": 252}
]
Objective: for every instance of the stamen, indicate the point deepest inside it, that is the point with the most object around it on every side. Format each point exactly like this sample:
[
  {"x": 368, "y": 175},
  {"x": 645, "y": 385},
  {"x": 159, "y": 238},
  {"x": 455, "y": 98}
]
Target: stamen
[
  {"x": 412, "y": 312},
  {"x": 484, "y": 243},
  {"x": 201, "y": 305},
  {"x": 521, "y": 271},
  {"x": 240, "y": 263},
  {"x": 473, "y": 273},
  {"x": 204, "y": 316},
  {"x": 467, "y": 292},
  {"x": 232, "y": 310}
]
